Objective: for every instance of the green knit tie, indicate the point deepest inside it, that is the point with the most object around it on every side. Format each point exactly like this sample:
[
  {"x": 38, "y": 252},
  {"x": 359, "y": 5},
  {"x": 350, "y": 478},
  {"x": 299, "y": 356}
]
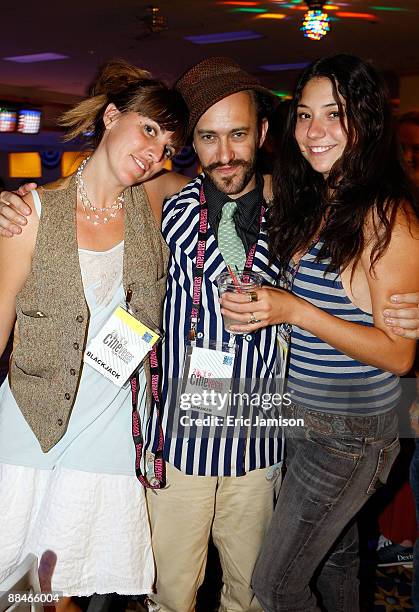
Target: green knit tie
[{"x": 229, "y": 242}]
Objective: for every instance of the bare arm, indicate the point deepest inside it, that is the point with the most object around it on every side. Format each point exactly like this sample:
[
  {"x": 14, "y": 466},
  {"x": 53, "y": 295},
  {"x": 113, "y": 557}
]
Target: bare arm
[
  {"x": 15, "y": 265},
  {"x": 377, "y": 345},
  {"x": 162, "y": 187},
  {"x": 402, "y": 318}
]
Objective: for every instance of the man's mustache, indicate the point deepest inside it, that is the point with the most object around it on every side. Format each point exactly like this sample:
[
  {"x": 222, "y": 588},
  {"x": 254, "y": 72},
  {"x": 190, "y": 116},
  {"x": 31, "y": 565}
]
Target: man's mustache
[{"x": 235, "y": 163}]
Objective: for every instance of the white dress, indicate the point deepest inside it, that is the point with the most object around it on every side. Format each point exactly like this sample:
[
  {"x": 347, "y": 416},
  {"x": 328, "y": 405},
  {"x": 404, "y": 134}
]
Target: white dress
[{"x": 81, "y": 500}]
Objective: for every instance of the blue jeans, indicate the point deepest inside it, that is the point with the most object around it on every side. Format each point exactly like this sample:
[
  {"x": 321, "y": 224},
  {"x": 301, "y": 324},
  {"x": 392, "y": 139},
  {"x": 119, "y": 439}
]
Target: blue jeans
[
  {"x": 334, "y": 465},
  {"x": 414, "y": 483}
]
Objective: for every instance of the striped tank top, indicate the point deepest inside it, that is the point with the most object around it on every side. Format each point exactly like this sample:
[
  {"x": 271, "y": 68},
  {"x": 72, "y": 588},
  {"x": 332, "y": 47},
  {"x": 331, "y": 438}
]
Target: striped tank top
[{"x": 321, "y": 377}]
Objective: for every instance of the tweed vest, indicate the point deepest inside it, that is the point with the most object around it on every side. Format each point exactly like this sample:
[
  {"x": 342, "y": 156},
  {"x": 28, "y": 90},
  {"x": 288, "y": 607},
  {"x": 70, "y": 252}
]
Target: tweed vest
[{"x": 46, "y": 363}]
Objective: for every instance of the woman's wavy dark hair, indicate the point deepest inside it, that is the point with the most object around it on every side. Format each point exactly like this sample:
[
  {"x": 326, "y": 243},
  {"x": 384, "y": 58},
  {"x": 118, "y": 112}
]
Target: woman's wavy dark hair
[{"x": 368, "y": 178}]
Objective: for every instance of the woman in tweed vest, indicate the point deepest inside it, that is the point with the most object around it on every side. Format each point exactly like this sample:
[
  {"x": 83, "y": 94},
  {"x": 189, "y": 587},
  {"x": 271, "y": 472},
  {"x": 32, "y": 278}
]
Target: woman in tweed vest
[{"x": 67, "y": 478}]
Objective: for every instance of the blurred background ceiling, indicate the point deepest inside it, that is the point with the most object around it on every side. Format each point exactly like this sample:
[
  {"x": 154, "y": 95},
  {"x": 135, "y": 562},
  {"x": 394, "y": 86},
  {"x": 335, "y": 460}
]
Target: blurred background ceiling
[{"x": 90, "y": 32}]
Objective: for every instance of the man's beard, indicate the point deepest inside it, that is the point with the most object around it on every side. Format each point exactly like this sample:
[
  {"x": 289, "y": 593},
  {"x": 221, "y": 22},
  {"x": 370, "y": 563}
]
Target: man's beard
[{"x": 232, "y": 185}]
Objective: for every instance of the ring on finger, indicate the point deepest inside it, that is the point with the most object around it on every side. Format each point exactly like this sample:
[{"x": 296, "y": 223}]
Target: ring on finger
[
  {"x": 253, "y": 319},
  {"x": 253, "y": 296}
]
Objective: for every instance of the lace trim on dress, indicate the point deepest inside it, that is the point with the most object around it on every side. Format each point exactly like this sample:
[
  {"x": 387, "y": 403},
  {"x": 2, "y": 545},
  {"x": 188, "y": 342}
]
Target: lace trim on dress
[{"x": 102, "y": 272}]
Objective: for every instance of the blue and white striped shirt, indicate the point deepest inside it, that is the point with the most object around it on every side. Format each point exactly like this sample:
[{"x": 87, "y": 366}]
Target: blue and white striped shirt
[
  {"x": 215, "y": 450},
  {"x": 321, "y": 377}
]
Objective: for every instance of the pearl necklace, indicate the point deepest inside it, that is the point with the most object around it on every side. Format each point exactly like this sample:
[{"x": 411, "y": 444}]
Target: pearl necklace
[{"x": 93, "y": 213}]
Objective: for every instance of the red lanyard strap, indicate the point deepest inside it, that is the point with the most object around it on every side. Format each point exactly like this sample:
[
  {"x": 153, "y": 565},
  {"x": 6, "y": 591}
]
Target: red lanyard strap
[
  {"x": 199, "y": 263},
  {"x": 159, "y": 479},
  {"x": 200, "y": 260}
]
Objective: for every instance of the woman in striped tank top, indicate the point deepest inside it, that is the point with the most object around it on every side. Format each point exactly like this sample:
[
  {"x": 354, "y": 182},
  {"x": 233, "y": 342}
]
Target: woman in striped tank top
[{"x": 344, "y": 226}]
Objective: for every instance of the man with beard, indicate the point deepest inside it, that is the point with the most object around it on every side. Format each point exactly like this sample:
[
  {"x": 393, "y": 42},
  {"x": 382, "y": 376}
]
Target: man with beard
[{"x": 220, "y": 478}]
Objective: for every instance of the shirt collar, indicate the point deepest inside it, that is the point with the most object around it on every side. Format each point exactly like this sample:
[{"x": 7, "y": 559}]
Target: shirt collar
[
  {"x": 247, "y": 203},
  {"x": 247, "y": 215}
]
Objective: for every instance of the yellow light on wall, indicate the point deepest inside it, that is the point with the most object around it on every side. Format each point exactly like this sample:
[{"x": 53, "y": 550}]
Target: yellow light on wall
[
  {"x": 71, "y": 160},
  {"x": 25, "y": 165},
  {"x": 270, "y": 16},
  {"x": 168, "y": 164}
]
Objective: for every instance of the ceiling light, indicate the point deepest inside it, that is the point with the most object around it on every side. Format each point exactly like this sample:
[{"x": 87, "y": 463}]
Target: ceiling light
[
  {"x": 366, "y": 16},
  {"x": 36, "y": 57},
  {"x": 316, "y": 21},
  {"x": 248, "y": 10},
  {"x": 271, "y": 16},
  {"x": 221, "y": 37},
  {"x": 283, "y": 67},
  {"x": 154, "y": 20},
  {"x": 235, "y": 3},
  {"x": 388, "y": 8}
]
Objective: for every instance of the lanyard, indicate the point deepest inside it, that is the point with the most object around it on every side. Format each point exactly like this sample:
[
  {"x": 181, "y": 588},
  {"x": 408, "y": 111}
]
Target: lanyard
[
  {"x": 200, "y": 260},
  {"x": 159, "y": 479}
]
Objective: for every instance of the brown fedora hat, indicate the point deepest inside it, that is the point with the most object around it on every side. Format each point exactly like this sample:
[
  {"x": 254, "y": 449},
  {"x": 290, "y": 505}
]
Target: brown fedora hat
[{"x": 213, "y": 79}]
